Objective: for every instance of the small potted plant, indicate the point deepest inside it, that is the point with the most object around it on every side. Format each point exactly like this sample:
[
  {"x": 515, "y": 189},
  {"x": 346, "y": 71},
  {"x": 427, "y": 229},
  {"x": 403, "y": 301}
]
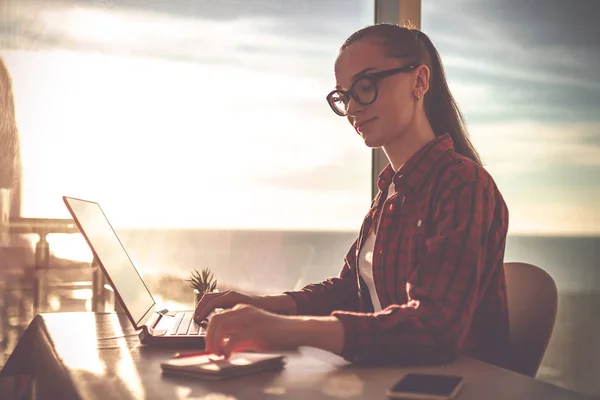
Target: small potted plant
[{"x": 202, "y": 282}]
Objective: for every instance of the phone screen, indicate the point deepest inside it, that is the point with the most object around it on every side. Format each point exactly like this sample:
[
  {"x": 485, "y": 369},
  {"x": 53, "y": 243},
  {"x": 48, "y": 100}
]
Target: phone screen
[{"x": 437, "y": 385}]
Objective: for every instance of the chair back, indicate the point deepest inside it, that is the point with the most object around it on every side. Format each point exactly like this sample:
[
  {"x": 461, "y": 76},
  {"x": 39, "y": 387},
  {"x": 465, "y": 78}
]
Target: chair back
[{"x": 532, "y": 306}]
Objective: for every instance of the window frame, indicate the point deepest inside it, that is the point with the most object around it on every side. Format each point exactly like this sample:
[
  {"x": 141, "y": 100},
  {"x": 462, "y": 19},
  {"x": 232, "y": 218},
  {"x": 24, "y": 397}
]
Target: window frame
[{"x": 392, "y": 12}]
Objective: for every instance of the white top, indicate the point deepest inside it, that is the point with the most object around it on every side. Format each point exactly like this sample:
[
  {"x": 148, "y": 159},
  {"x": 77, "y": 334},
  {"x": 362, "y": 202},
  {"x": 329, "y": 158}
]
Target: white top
[{"x": 365, "y": 262}]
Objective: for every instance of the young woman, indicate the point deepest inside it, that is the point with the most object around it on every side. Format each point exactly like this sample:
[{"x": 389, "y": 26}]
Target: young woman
[{"x": 424, "y": 281}]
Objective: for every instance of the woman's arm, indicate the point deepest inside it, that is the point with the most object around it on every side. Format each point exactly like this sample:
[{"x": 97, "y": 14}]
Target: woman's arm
[{"x": 277, "y": 303}]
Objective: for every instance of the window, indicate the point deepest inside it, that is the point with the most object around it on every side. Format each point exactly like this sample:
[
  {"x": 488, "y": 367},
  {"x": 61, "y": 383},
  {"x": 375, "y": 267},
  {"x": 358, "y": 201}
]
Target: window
[
  {"x": 200, "y": 127},
  {"x": 526, "y": 78},
  {"x": 529, "y": 94}
]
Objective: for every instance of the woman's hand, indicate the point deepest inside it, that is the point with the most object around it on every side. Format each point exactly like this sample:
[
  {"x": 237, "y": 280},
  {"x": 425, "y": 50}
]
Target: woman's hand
[
  {"x": 210, "y": 301},
  {"x": 245, "y": 327},
  {"x": 282, "y": 304}
]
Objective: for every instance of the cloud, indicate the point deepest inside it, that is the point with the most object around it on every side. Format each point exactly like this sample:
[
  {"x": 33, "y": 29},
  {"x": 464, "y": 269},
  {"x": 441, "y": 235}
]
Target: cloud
[
  {"x": 346, "y": 170},
  {"x": 550, "y": 217},
  {"x": 259, "y": 42},
  {"x": 494, "y": 46},
  {"x": 521, "y": 146},
  {"x": 529, "y": 91}
]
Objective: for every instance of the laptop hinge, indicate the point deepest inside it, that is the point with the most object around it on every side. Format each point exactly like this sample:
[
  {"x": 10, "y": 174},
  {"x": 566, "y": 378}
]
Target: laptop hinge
[{"x": 153, "y": 320}]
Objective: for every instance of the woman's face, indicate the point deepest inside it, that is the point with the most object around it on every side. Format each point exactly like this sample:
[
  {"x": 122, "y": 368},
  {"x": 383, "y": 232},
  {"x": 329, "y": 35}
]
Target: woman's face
[{"x": 388, "y": 118}]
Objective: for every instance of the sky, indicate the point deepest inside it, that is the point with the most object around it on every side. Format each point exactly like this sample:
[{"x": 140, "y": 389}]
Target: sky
[
  {"x": 212, "y": 113},
  {"x": 527, "y": 79}
]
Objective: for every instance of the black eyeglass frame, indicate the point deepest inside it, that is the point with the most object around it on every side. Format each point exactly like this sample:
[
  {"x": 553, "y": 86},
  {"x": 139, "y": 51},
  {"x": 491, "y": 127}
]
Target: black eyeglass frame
[{"x": 375, "y": 77}]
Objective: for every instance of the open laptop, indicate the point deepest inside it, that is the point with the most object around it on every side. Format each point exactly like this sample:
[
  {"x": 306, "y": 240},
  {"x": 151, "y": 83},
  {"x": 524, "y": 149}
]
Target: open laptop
[{"x": 158, "y": 327}]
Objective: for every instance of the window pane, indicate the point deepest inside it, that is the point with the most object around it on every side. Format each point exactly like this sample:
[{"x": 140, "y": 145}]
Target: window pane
[
  {"x": 526, "y": 78},
  {"x": 200, "y": 127}
]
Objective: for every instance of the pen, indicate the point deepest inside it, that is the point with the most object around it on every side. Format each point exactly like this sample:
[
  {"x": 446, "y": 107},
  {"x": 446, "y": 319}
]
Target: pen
[{"x": 197, "y": 354}]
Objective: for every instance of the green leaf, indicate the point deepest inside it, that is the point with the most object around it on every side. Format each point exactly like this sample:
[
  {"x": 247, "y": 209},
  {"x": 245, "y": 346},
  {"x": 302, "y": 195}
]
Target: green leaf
[{"x": 203, "y": 281}]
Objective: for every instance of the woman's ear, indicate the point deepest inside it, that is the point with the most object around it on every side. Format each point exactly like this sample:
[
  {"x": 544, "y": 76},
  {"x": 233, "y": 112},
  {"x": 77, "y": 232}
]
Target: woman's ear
[{"x": 422, "y": 81}]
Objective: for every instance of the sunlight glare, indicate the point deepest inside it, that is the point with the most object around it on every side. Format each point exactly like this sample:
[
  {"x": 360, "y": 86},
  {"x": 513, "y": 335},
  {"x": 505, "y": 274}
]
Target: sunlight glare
[
  {"x": 72, "y": 247},
  {"x": 126, "y": 371},
  {"x": 70, "y": 346}
]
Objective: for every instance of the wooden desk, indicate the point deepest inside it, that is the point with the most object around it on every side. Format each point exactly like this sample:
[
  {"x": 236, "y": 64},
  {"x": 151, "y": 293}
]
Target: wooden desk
[{"x": 98, "y": 356}]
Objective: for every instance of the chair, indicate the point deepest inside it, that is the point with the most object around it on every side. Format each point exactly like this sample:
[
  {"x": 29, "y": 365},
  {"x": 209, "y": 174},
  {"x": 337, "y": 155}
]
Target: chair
[{"x": 532, "y": 306}]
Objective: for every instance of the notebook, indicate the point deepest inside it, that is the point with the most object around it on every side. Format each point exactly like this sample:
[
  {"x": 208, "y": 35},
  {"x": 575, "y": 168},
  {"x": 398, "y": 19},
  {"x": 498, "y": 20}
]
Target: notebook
[{"x": 208, "y": 366}]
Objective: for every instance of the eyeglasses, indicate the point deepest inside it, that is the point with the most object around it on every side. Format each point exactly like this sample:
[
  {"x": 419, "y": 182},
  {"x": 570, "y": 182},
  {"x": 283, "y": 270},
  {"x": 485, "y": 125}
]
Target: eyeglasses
[{"x": 364, "y": 90}]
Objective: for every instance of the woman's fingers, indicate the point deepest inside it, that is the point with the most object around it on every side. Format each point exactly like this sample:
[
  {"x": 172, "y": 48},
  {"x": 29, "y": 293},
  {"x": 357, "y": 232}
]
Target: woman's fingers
[
  {"x": 201, "y": 312},
  {"x": 244, "y": 339},
  {"x": 245, "y": 327},
  {"x": 210, "y": 301},
  {"x": 226, "y": 323}
]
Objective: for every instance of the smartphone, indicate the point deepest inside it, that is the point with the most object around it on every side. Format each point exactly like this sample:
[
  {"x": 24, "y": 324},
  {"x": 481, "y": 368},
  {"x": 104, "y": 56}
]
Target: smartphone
[{"x": 426, "y": 387}]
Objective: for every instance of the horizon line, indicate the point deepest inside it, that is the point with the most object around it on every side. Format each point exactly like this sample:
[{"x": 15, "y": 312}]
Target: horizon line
[{"x": 558, "y": 234}]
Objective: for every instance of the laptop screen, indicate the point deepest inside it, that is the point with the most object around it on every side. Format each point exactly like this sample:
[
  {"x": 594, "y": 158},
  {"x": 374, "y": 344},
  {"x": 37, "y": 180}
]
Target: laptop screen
[{"x": 107, "y": 247}]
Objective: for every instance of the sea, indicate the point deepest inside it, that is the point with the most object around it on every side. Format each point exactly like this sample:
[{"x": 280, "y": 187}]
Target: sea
[{"x": 281, "y": 260}]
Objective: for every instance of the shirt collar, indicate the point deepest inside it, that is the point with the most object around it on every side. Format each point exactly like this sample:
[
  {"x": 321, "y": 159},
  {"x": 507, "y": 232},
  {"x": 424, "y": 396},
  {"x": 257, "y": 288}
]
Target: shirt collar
[{"x": 418, "y": 166}]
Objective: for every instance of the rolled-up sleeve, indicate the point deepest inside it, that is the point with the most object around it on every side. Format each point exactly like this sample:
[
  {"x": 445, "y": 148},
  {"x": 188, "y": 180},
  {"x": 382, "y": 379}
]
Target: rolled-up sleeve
[{"x": 443, "y": 292}]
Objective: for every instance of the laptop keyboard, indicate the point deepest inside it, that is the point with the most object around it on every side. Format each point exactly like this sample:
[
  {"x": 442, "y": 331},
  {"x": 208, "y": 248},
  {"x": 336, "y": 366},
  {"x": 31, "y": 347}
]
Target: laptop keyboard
[{"x": 183, "y": 324}]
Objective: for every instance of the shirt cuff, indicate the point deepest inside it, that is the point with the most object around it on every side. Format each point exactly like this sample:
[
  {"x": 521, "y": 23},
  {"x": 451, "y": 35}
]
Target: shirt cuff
[
  {"x": 357, "y": 334},
  {"x": 303, "y": 305}
]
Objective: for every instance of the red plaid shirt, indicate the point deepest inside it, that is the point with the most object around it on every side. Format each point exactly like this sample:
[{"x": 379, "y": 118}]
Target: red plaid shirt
[{"x": 437, "y": 267}]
